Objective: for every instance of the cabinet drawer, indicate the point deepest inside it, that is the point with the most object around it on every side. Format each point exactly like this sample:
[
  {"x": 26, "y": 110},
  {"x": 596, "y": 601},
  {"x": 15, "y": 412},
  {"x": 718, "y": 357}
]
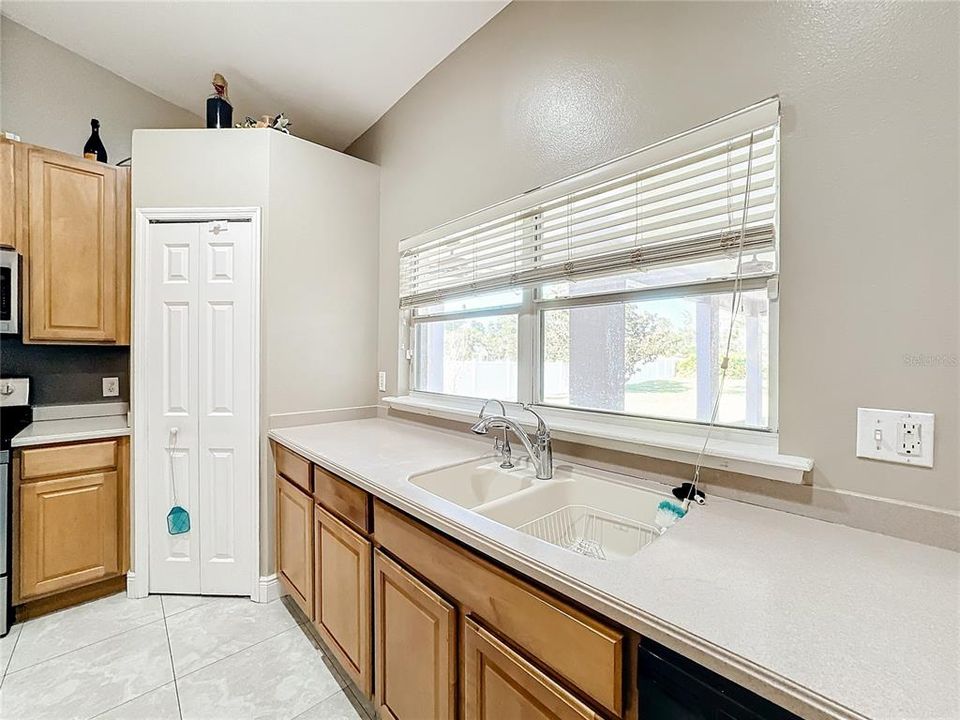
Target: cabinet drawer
[
  {"x": 341, "y": 498},
  {"x": 586, "y": 652},
  {"x": 67, "y": 459},
  {"x": 499, "y": 683},
  {"x": 293, "y": 467}
]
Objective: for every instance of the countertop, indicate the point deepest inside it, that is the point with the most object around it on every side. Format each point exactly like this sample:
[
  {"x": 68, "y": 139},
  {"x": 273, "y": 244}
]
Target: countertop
[
  {"x": 825, "y": 620},
  {"x": 46, "y": 432}
]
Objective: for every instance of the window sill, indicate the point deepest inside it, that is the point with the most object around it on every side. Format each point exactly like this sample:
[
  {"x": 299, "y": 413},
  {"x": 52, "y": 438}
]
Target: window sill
[{"x": 741, "y": 451}]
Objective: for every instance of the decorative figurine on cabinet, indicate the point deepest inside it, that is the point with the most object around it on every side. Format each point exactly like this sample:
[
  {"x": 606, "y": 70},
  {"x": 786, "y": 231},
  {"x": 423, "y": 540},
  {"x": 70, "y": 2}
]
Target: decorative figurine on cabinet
[
  {"x": 282, "y": 123},
  {"x": 219, "y": 109},
  {"x": 279, "y": 122}
]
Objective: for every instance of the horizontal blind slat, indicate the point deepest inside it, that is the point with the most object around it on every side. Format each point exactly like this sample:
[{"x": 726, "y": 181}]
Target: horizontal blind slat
[
  {"x": 705, "y": 221},
  {"x": 725, "y": 244},
  {"x": 679, "y": 210}
]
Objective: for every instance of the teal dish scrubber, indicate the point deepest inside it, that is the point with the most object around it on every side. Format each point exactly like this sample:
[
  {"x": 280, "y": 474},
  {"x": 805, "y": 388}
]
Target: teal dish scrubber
[
  {"x": 178, "y": 520},
  {"x": 668, "y": 512}
]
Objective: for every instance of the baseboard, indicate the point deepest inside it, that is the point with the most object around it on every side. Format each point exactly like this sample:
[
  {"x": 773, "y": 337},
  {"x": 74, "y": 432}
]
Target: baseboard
[
  {"x": 134, "y": 589},
  {"x": 268, "y": 589},
  {"x": 319, "y": 417},
  {"x": 69, "y": 598}
]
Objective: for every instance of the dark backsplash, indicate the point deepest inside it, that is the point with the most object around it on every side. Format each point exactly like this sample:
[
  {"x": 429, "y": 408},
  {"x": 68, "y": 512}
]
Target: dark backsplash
[{"x": 62, "y": 374}]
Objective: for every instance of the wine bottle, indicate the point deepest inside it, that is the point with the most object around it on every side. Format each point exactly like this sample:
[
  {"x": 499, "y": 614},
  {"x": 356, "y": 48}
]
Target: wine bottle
[{"x": 94, "y": 149}]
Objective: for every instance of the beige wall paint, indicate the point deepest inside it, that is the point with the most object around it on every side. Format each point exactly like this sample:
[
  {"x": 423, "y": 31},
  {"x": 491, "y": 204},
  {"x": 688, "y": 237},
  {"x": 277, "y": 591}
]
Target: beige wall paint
[
  {"x": 48, "y": 95},
  {"x": 320, "y": 269},
  {"x": 869, "y": 181}
]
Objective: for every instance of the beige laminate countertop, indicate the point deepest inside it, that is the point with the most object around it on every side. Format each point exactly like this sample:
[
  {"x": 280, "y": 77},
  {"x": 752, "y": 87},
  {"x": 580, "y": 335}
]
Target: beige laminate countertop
[
  {"x": 47, "y": 432},
  {"x": 826, "y": 620}
]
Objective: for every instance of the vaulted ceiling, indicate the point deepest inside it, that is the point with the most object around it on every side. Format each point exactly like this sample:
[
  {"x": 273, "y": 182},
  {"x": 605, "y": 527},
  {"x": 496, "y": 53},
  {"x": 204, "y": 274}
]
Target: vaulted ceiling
[{"x": 333, "y": 67}]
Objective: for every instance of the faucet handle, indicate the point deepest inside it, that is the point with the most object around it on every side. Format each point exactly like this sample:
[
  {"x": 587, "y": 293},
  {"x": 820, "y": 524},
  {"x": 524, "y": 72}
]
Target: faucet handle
[{"x": 542, "y": 429}]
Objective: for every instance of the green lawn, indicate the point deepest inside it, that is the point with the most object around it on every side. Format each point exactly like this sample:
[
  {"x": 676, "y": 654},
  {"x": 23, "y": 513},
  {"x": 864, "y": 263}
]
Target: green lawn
[{"x": 658, "y": 386}]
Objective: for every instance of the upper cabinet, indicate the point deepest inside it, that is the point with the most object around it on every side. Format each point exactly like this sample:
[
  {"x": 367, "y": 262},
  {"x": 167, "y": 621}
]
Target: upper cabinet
[{"x": 71, "y": 223}]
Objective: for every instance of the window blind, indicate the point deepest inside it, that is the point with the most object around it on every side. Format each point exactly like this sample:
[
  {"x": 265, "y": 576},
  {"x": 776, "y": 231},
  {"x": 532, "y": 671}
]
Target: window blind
[{"x": 676, "y": 202}]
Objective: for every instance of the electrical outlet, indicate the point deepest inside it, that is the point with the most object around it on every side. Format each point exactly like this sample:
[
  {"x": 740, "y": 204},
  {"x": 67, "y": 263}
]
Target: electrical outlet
[
  {"x": 909, "y": 441},
  {"x": 111, "y": 387},
  {"x": 898, "y": 436},
  {"x": 382, "y": 381}
]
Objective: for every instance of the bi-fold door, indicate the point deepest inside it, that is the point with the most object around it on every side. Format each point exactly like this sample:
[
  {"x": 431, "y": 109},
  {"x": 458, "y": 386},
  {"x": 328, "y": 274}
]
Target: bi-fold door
[{"x": 202, "y": 431}]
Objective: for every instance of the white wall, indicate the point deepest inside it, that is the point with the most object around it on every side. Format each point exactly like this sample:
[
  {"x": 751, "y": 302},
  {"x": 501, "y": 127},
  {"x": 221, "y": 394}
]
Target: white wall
[
  {"x": 320, "y": 291},
  {"x": 869, "y": 182},
  {"x": 319, "y": 297},
  {"x": 48, "y": 95}
]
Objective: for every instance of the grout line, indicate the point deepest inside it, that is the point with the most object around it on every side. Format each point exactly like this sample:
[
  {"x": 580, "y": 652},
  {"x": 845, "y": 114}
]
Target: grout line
[
  {"x": 6, "y": 665},
  {"x": 67, "y": 652},
  {"x": 237, "y": 652},
  {"x": 127, "y": 702},
  {"x": 173, "y": 668},
  {"x": 207, "y": 600},
  {"x": 321, "y": 702}
]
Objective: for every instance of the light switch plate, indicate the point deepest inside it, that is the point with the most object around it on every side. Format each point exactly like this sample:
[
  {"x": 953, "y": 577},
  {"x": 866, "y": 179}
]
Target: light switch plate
[
  {"x": 899, "y": 436},
  {"x": 111, "y": 387}
]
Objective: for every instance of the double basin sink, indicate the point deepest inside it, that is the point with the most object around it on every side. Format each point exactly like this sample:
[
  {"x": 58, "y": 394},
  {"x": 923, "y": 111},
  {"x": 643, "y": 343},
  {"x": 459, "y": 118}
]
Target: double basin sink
[{"x": 575, "y": 510}]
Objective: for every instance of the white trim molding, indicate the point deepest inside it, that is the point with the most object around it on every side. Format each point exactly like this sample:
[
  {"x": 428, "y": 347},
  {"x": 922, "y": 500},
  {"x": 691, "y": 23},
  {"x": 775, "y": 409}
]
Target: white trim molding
[
  {"x": 138, "y": 579},
  {"x": 748, "y": 452},
  {"x": 136, "y": 587},
  {"x": 268, "y": 589}
]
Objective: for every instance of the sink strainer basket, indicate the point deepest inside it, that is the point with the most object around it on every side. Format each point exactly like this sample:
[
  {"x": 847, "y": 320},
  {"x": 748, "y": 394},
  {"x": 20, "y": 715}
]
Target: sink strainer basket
[{"x": 591, "y": 532}]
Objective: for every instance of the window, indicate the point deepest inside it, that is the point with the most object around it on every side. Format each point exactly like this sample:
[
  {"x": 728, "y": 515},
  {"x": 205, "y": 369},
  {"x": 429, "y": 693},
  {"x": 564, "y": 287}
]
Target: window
[
  {"x": 616, "y": 290},
  {"x": 659, "y": 357},
  {"x": 468, "y": 347}
]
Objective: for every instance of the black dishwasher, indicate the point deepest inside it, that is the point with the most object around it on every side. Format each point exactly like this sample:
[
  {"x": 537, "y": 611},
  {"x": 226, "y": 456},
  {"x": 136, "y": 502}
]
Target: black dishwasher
[{"x": 671, "y": 687}]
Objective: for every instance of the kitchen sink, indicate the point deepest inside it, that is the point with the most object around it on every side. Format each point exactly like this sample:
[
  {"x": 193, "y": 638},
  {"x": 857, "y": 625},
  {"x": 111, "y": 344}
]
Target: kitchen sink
[
  {"x": 475, "y": 483},
  {"x": 578, "y": 510}
]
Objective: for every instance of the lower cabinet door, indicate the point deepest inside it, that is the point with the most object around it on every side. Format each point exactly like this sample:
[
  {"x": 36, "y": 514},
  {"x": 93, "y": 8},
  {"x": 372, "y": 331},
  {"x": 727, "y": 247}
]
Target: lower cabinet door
[
  {"x": 342, "y": 596},
  {"x": 295, "y": 544},
  {"x": 415, "y": 636},
  {"x": 68, "y": 532},
  {"x": 498, "y": 683}
]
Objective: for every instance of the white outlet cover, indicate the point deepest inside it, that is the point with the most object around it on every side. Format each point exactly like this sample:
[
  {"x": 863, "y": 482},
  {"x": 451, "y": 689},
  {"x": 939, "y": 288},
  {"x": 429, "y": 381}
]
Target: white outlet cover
[
  {"x": 880, "y": 435},
  {"x": 111, "y": 387},
  {"x": 382, "y": 381}
]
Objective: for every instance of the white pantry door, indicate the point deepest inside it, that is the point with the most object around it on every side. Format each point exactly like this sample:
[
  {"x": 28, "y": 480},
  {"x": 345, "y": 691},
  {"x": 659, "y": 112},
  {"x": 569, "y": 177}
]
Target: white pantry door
[{"x": 201, "y": 424}]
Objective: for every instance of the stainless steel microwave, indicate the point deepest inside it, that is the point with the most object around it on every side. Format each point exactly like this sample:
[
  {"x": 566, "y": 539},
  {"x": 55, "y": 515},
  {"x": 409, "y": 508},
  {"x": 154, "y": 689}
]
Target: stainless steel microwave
[{"x": 9, "y": 291}]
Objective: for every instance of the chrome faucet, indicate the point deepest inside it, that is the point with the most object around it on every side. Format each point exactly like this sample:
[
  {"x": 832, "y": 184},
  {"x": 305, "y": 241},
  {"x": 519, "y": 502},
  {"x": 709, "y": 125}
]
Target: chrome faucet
[
  {"x": 539, "y": 448},
  {"x": 501, "y": 444}
]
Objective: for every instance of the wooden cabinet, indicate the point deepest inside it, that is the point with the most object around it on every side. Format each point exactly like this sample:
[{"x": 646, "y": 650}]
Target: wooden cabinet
[
  {"x": 68, "y": 532},
  {"x": 293, "y": 468},
  {"x": 295, "y": 543},
  {"x": 414, "y": 646},
  {"x": 70, "y": 219},
  {"x": 9, "y": 221},
  {"x": 499, "y": 683},
  {"x": 451, "y": 634},
  {"x": 584, "y": 651},
  {"x": 71, "y": 528},
  {"x": 346, "y": 501},
  {"x": 342, "y": 596}
]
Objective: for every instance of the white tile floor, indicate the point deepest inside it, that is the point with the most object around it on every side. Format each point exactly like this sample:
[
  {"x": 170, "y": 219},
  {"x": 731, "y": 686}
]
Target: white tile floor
[{"x": 171, "y": 657}]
